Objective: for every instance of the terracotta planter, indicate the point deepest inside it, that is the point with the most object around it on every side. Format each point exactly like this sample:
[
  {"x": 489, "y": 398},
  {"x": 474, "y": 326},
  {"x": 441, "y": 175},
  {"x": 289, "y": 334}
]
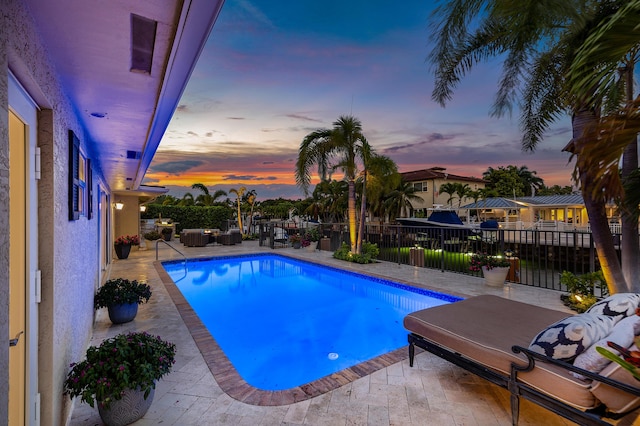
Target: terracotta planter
[
  {"x": 127, "y": 410},
  {"x": 495, "y": 277},
  {"x": 119, "y": 314},
  {"x": 122, "y": 250}
]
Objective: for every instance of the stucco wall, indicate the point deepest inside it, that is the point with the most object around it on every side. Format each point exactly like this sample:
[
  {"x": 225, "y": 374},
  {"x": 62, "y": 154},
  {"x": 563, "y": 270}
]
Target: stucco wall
[
  {"x": 4, "y": 220},
  {"x": 68, "y": 250}
]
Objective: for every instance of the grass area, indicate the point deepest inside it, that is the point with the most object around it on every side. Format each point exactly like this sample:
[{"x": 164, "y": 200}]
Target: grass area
[{"x": 450, "y": 261}]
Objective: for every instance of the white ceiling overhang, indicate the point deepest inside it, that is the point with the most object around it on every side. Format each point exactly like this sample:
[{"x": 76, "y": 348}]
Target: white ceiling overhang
[{"x": 125, "y": 113}]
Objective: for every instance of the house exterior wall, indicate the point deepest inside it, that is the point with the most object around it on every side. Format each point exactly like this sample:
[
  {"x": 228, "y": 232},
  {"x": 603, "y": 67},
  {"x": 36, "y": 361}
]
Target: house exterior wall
[
  {"x": 68, "y": 250},
  {"x": 432, "y": 196}
]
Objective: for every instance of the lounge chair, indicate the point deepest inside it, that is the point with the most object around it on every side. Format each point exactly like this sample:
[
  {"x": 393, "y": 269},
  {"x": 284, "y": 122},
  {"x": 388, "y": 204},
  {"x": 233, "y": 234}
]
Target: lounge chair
[{"x": 490, "y": 336}]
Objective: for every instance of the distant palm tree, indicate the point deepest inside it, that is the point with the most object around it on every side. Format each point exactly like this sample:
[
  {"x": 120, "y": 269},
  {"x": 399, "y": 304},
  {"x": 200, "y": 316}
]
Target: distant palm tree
[
  {"x": 462, "y": 191},
  {"x": 530, "y": 180},
  {"x": 449, "y": 188},
  {"x": 341, "y": 147},
  {"x": 239, "y": 192},
  {"x": 187, "y": 200},
  {"x": 207, "y": 199},
  {"x": 251, "y": 200},
  {"x": 398, "y": 201}
]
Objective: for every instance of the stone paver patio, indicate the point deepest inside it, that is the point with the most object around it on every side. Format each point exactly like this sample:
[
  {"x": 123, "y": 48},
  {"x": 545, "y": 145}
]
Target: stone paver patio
[{"x": 433, "y": 392}]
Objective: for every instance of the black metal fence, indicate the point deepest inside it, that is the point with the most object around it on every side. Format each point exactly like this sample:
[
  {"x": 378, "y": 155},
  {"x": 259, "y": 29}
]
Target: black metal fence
[{"x": 537, "y": 257}]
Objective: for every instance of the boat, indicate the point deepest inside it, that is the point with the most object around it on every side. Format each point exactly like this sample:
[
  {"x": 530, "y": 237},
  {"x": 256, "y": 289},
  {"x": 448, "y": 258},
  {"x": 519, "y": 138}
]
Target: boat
[{"x": 440, "y": 217}]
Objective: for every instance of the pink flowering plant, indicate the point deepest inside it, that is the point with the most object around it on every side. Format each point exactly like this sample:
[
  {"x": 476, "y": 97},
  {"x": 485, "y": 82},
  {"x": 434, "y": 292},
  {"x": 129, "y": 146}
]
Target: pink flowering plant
[
  {"x": 133, "y": 240},
  {"x": 478, "y": 260},
  {"x": 121, "y": 291},
  {"x": 126, "y": 361}
]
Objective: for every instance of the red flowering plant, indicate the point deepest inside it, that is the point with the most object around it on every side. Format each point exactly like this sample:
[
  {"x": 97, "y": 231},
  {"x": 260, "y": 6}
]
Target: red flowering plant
[
  {"x": 126, "y": 361},
  {"x": 133, "y": 240},
  {"x": 478, "y": 260}
]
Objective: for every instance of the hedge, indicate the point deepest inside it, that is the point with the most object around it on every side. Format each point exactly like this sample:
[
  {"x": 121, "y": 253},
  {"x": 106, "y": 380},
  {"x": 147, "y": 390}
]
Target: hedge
[{"x": 191, "y": 217}]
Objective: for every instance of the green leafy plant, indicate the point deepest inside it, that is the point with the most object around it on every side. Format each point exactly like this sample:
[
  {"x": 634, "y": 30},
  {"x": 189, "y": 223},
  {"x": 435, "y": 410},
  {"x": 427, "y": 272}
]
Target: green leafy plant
[
  {"x": 133, "y": 240},
  {"x": 478, "y": 260},
  {"x": 126, "y": 361},
  {"x": 581, "y": 289},
  {"x": 121, "y": 291},
  {"x": 369, "y": 252},
  {"x": 313, "y": 234},
  {"x": 152, "y": 235}
]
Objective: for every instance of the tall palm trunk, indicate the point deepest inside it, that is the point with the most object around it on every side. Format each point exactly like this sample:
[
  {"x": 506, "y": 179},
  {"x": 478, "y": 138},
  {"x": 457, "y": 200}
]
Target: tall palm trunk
[
  {"x": 352, "y": 214},
  {"x": 630, "y": 247},
  {"x": 582, "y": 120},
  {"x": 363, "y": 210}
]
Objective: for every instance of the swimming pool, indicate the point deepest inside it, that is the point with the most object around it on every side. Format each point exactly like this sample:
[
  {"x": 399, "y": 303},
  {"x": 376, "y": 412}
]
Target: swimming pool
[{"x": 284, "y": 322}]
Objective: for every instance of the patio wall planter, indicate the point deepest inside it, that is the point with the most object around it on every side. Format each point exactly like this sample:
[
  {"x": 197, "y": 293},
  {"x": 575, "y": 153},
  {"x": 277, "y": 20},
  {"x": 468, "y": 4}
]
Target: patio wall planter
[
  {"x": 122, "y": 313},
  {"x": 127, "y": 410},
  {"x": 495, "y": 277},
  {"x": 122, "y": 250}
]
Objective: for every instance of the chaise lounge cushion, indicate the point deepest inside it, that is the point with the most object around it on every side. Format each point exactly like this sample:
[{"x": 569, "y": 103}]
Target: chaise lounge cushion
[
  {"x": 484, "y": 328},
  {"x": 617, "y": 401}
]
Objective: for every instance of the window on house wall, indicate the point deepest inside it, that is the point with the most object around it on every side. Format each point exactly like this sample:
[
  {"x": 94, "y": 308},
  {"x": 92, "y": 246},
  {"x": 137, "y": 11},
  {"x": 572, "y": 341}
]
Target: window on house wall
[
  {"x": 80, "y": 180},
  {"x": 419, "y": 187}
]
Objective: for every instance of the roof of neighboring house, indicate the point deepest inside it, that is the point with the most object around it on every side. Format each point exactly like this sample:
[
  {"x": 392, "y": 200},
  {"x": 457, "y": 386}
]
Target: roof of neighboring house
[
  {"x": 553, "y": 200},
  {"x": 571, "y": 200},
  {"x": 493, "y": 203},
  {"x": 124, "y": 66},
  {"x": 436, "y": 173}
]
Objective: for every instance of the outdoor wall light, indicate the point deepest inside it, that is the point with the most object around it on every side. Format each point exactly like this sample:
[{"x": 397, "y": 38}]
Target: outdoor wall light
[
  {"x": 143, "y": 208},
  {"x": 119, "y": 205}
]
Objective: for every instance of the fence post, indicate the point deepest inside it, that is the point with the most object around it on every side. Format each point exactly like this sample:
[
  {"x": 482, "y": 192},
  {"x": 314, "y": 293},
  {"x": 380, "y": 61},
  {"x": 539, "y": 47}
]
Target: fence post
[{"x": 398, "y": 239}]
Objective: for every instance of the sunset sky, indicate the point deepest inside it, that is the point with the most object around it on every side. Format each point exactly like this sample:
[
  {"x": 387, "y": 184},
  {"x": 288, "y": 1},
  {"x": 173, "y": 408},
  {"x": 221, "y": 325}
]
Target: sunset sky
[{"x": 274, "y": 70}]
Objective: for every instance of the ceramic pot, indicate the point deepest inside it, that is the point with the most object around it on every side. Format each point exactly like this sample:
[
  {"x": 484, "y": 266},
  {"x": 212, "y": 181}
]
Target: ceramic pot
[
  {"x": 127, "y": 410},
  {"x": 297, "y": 245},
  {"x": 495, "y": 277},
  {"x": 121, "y": 313},
  {"x": 122, "y": 250}
]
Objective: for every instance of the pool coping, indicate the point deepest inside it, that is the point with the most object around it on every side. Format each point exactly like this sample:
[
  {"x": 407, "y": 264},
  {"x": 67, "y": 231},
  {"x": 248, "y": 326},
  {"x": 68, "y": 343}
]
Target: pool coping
[{"x": 236, "y": 387}]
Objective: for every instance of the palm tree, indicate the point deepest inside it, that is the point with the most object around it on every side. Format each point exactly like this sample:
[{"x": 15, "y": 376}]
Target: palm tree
[
  {"x": 539, "y": 45},
  {"x": 330, "y": 149},
  {"x": 251, "y": 200},
  {"x": 239, "y": 193},
  {"x": 462, "y": 191},
  {"x": 448, "y": 188},
  {"x": 398, "y": 202},
  {"x": 207, "y": 199},
  {"x": 187, "y": 200},
  {"x": 531, "y": 181},
  {"x": 378, "y": 169},
  {"x": 332, "y": 197}
]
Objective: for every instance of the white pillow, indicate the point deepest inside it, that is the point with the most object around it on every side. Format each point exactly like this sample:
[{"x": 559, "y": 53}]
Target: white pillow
[
  {"x": 623, "y": 334},
  {"x": 571, "y": 336},
  {"x": 617, "y": 305}
]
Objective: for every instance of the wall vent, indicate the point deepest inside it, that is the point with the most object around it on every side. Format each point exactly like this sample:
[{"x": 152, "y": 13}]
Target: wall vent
[
  {"x": 133, "y": 155},
  {"x": 143, "y": 40}
]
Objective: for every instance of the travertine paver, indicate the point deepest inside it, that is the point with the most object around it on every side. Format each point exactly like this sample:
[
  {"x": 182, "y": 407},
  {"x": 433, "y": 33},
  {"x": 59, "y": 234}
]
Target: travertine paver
[{"x": 433, "y": 392}]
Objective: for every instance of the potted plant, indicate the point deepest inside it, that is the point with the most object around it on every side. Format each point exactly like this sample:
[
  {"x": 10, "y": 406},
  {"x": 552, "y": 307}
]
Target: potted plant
[
  {"x": 123, "y": 243},
  {"x": 166, "y": 233},
  {"x": 120, "y": 375},
  {"x": 494, "y": 268},
  {"x": 121, "y": 297},
  {"x": 295, "y": 240},
  {"x": 152, "y": 235}
]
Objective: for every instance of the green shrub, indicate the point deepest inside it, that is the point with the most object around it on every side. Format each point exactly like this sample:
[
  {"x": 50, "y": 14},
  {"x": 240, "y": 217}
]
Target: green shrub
[
  {"x": 152, "y": 235},
  {"x": 119, "y": 291},
  {"x": 368, "y": 253},
  {"x": 581, "y": 289}
]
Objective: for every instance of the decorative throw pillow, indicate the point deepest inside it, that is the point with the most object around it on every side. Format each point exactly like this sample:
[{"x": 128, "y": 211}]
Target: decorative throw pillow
[
  {"x": 571, "y": 336},
  {"x": 619, "y": 305},
  {"x": 622, "y": 334}
]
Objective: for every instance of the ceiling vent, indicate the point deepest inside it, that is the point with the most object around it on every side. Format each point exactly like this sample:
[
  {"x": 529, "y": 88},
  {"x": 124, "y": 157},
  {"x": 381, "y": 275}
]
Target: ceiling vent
[
  {"x": 133, "y": 155},
  {"x": 143, "y": 39}
]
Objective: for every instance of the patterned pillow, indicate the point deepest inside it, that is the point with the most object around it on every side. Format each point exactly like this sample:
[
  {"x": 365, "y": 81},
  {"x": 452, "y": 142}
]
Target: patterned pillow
[
  {"x": 622, "y": 334},
  {"x": 567, "y": 338},
  {"x": 618, "y": 305}
]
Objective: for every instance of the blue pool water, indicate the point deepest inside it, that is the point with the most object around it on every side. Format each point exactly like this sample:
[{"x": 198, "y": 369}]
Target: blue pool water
[{"x": 283, "y": 322}]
